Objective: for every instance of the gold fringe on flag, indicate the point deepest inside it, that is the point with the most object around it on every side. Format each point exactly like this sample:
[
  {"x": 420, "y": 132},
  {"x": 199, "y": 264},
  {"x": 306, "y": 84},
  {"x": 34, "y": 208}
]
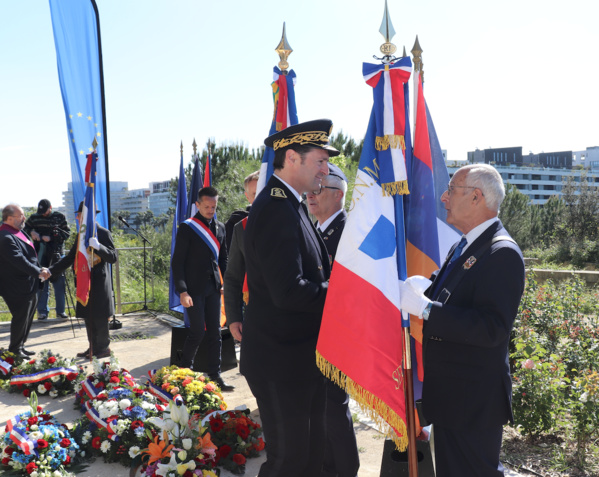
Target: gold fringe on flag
[
  {"x": 386, "y": 418},
  {"x": 395, "y": 188},
  {"x": 393, "y": 141}
]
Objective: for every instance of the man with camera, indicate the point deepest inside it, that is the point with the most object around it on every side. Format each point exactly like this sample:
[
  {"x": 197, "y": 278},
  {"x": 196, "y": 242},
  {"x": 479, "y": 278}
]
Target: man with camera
[{"x": 49, "y": 231}]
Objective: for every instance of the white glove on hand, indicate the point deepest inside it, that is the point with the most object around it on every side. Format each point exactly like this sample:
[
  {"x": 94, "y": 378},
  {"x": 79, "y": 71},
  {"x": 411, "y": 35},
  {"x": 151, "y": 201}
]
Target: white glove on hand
[
  {"x": 413, "y": 301},
  {"x": 93, "y": 243},
  {"x": 419, "y": 283}
]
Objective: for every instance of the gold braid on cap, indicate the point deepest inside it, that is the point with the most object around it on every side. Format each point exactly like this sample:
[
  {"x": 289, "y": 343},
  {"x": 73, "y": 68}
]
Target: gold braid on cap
[{"x": 316, "y": 138}]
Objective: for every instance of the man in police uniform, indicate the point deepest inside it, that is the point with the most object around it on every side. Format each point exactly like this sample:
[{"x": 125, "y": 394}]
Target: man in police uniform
[
  {"x": 341, "y": 453},
  {"x": 288, "y": 270}
]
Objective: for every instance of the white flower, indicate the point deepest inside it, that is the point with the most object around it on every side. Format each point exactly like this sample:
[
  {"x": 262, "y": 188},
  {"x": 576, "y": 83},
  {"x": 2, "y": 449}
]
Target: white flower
[
  {"x": 182, "y": 455},
  {"x": 55, "y": 379},
  {"x": 179, "y": 414},
  {"x": 133, "y": 451},
  {"x": 36, "y": 435},
  {"x": 584, "y": 397},
  {"x": 86, "y": 437},
  {"x": 34, "y": 474},
  {"x": 124, "y": 404},
  {"x": 187, "y": 444},
  {"x": 191, "y": 465},
  {"x": 56, "y": 473},
  {"x": 105, "y": 446},
  {"x": 53, "y": 393},
  {"x": 41, "y": 389},
  {"x": 147, "y": 405}
]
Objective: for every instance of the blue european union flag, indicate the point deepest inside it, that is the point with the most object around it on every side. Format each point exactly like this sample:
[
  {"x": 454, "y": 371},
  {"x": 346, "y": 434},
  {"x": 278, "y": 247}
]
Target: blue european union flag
[{"x": 76, "y": 29}]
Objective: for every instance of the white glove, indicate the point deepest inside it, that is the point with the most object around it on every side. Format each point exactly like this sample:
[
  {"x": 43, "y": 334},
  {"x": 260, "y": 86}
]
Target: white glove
[
  {"x": 413, "y": 301},
  {"x": 418, "y": 283},
  {"x": 93, "y": 243}
]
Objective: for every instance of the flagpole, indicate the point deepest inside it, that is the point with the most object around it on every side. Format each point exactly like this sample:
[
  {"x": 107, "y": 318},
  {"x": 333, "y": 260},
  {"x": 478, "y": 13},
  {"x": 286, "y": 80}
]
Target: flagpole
[{"x": 388, "y": 49}]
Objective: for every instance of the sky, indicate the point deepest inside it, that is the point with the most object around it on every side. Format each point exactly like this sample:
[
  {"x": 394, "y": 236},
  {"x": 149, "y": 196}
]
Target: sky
[{"x": 497, "y": 74}]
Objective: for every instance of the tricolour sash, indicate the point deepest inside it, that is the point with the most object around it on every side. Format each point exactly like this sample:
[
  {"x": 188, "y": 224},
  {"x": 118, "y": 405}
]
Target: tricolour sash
[{"x": 205, "y": 234}]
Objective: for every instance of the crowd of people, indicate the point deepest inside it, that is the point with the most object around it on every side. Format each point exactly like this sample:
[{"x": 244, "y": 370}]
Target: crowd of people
[{"x": 272, "y": 263}]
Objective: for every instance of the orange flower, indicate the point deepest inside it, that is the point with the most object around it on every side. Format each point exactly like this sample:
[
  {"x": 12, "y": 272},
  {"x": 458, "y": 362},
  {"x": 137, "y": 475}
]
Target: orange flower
[
  {"x": 205, "y": 444},
  {"x": 158, "y": 450}
]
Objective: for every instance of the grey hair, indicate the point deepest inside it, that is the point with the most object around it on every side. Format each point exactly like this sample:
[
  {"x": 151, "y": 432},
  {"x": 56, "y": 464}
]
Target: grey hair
[
  {"x": 336, "y": 181},
  {"x": 9, "y": 210},
  {"x": 489, "y": 181}
]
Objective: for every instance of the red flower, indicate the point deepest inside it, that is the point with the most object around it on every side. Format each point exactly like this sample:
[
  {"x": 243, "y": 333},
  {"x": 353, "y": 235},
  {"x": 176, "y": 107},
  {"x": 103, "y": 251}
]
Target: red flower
[
  {"x": 26, "y": 392},
  {"x": 5, "y": 461},
  {"x": 96, "y": 442},
  {"x": 9, "y": 450},
  {"x": 138, "y": 391},
  {"x": 40, "y": 409},
  {"x": 10, "y": 360},
  {"x": 136, "y": 424},
  {"x": 114, "y": 380},
  {"x": 32, "y": 361},
  {"x": 259, "y": 445},
  {"x": 42, "y": 444},
  {"x": 51, "y": 360},
  {"x": 65, "y": 442},
  {"x": 46, "y": 417},
  {"x": 71, "y": 376},
  {"x": 216, "y": 425},
  {"x": 30, "y": 467},
  {"x": 242, "y": 431},
  {"x": 223, "y": 451},
  {"x": 239, "y": 459},
  {"x": 100, "y": 385},
  {"x": 67, "y": 460},
  {"x": 188, "y": 473},
  {"x": 114, "y": 373},
  {"x": 32, "y": 420},
  {"x": 48, "y": 385}
]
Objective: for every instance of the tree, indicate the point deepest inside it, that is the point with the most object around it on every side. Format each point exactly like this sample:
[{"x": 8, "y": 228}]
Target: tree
[
  {"x": 515, "y": 214},
  {"x": 581, "y": 221}
]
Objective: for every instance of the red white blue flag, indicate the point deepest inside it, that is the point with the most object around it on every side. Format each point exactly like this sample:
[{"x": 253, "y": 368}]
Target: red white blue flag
[
  {"x": 359, "y": 345},
  {"x": 285, "y": 115}
]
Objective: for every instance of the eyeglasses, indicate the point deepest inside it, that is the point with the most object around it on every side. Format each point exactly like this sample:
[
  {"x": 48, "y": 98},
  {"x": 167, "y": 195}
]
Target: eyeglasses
[
  {"x": 317, "y": 192},
  {"x": 451, "y": 187}
]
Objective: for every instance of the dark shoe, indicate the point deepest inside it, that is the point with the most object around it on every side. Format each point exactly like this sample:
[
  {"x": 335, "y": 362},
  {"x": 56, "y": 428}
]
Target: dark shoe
[
  {"x": 83, "y": 354},
  {"x": 27, "y": 352},
  {"x": 221, "y": 383},
  {"x": 62, "y": 316},
  {"x": 42, "y": 317},
  {"x": 103, "y": 354},
  {"x": 20, "y": 354}
]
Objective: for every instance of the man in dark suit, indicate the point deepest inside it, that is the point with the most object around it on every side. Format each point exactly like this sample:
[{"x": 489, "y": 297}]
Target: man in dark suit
[
  {"x": 200, "y": 251},
  {"x": 288, "y": 270},
  {"x": 100, "y": 304},
  {"x": 469, "y": 311},
  {"x": 235, "y": 283},
  {"x": 19, "y": 273},
  {"x": 341, "y": 457}
]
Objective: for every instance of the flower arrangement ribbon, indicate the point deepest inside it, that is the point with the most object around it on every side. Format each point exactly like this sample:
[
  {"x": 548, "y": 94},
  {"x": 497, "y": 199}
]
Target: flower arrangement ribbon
[
  {"x": 162, "y": 395},
  {"x": 152, "y": 373},
  {"x": 94, "y": 416},
  {"x": 5, "y": 367},
  {"x": 90, "y": 389},
  {"x": 40, "y": 376},
  {"x": 20, "y": 437}
]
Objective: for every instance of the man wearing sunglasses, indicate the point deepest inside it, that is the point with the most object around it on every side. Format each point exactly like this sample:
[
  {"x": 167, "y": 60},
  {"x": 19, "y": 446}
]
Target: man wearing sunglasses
[{"x": 469, "y": 311}]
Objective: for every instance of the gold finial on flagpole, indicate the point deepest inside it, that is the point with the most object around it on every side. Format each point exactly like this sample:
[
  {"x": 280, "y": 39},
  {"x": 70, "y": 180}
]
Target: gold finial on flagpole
[
  {"x": 417, "y": 54},
  {"x": 95, "y": 143},
  {"x": 388, "y": 32},
  {"x": 284, "y": 50},
  {"x": 195, "y": 147}
]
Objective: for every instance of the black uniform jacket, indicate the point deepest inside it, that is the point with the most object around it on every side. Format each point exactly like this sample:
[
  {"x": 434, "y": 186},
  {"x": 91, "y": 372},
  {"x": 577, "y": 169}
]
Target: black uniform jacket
[
  {"x": 288, "y": 271},
  {"x": 193, "y": 262},
  {"x": 235, "y": 276},
  {"x": 19, "y": 270},
  {"x": 332, "y": 234},
  {"x": 467, "y": 383},
  {"x": 100, "y": 304}
]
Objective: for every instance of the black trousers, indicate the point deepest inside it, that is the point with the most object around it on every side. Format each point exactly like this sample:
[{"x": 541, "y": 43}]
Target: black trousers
[
  {"x": 97, "y": 333},
  {"x": 22, "y": 310},
  {"x": 341, "y": 452},
  {"x": 204, "y": 328},
  {"x": 293, "y": 421},
  {"x": 474, "y": 453}
]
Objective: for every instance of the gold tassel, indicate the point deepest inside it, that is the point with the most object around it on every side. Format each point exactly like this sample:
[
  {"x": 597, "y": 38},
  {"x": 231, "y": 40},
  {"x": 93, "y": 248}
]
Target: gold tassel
[
  {"x": 386, "y": 418},
  {"x": 393, "y": 141},
  {"x": 395, "y": 188},
  {"x": 246, "y": 297}
]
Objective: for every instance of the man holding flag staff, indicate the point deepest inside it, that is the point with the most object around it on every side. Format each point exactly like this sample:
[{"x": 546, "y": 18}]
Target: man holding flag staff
[
  {"x": 288, "y": 270},
  {"x": 469, "y": 311},
  {"x": 98, "y": 306},
  {"x": 199, "y": 258}
]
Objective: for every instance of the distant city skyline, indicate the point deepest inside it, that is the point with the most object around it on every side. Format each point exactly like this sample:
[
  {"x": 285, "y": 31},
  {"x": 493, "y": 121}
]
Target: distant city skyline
[{"x": 496, "y": 75}]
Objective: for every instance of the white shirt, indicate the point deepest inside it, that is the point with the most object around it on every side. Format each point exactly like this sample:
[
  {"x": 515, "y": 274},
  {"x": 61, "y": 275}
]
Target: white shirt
[
  {"x": 293, "y": 191},
  {"x": 477, "y": 232},
  {"x": 322, "y": 227}
]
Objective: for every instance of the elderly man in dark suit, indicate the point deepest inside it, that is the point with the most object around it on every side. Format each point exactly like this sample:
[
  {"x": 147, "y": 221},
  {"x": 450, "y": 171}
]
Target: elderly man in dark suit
[
  {"x": 469, "y": 311},
  {"x": 199, "y": 253},
  {"x": 341, "y": 453},
  {"x": 19, "y": 273},
  {"x": 288, "y": 270},
  {"x": 100, "y": 305}
]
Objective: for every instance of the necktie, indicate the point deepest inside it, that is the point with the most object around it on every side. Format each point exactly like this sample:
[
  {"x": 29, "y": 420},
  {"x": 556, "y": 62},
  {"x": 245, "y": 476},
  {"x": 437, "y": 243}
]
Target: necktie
[{"x": 458, "y": 250}]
